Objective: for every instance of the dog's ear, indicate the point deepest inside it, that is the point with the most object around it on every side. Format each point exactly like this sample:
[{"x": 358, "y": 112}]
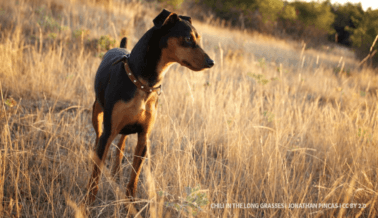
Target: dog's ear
[
  {"x": 159, "y": 20},
  {"x": 171, "y": 20},
  {"x": 189, "y": 19}
]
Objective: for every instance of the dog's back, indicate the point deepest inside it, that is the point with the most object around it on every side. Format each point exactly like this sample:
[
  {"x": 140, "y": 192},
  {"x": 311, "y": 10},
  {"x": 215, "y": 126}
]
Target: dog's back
[{"x": 106, "y": 68}]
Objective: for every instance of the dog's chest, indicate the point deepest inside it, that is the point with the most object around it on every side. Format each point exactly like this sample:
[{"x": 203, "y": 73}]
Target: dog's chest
[{"x": 136, "y": 115}]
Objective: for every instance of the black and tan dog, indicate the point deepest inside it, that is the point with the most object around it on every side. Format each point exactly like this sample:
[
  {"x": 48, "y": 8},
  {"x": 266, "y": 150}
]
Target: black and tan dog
[{"x": 127, "y": 88}]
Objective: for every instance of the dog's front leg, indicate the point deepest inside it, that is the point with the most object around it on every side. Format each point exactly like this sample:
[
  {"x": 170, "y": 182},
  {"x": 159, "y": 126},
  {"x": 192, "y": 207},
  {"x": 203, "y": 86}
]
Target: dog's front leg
[
  {"x": 118, "y": 159},
  {"x": 139, "y": 157}
]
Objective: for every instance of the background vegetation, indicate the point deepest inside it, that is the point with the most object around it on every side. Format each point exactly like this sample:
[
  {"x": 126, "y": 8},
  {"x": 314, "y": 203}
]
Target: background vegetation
[
  {"x": 314, "y": 22},
  {"x": 274, "y": 121}
]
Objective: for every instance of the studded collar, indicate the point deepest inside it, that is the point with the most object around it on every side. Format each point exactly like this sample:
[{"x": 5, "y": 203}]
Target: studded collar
[{"x": 133, "y": 79}]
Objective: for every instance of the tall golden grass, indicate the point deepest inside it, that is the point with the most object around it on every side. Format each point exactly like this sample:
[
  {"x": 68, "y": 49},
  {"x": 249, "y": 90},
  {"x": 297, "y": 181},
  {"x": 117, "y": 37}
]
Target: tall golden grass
[{"x": 272, "y": 122}]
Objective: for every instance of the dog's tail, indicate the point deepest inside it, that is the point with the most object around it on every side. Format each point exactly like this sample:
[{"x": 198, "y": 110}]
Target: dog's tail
[{"x": 123, "y": 43}]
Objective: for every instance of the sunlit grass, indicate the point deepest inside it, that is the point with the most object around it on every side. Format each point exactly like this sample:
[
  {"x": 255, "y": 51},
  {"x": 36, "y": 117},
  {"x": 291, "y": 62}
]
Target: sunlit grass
[{"x": 265, "y": 125}]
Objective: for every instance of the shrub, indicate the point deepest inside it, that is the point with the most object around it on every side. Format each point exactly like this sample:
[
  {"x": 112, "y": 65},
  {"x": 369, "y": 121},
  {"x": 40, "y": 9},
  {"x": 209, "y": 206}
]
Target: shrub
[
  {"x": 288, "y": 13},
  {"x": 106, "y": 42},
  {"x": 315, "y": 14},
  {"x": 173, "y": 3},
  {"x": 366, "y": 30},
  {"x": 270, "y": 9},
  {"x": 346, "y": 18}
]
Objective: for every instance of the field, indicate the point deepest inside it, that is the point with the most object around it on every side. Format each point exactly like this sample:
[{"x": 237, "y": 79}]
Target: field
[{"x": 274, "y": 123}]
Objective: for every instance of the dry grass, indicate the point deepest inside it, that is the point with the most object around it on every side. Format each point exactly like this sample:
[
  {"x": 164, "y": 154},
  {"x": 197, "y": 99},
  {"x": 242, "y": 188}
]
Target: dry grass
[{"x": 265, "y": 125}]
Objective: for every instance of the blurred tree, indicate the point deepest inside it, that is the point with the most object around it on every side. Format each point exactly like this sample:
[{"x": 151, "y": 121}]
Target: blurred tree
[
  {"x": 302, "y": 20},
  {"x": 173, "y": 3},
  {"x": 316, "y": 14},
  {"x": 346, "y": 18},
  {"x": 365, "y": 32},
  {"x": 254, "y": 14},
  {"x": 270, "y": 9},
  {"x": 231, "y": 9},
  {"x": 366, "y": 29},
  {"x": 289, "y": 13}
]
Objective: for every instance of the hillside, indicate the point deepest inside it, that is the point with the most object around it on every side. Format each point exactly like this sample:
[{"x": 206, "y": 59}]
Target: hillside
[{"x": 273, "y": 122}]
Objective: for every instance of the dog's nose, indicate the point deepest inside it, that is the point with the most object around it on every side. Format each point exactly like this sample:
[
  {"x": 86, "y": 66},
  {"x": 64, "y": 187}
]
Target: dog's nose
[{"x": 210, "y": 63}]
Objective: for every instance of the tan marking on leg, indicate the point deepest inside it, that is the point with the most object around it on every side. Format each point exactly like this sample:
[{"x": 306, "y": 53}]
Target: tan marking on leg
[
  {"x": 122, "y": 114},
  {"x": 97, "y": 119},
  {"x": 96, "y": 173},
  {"x": 143, "y": 112},
  {"x": 138, "y": 110}
]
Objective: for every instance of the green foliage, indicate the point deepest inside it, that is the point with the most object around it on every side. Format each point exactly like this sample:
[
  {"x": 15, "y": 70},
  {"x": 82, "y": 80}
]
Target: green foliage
[
  {"x": 316, "y": 14},
  {"x": 269, "y": 116},
  {"x": 276, "y": 15},
  {"x": 259, "y": 78},
  {"x": 80, "y": 33},
  {"x": 106, "y": 42},
  {"x": 101, "y": 54},
  {"x": 366, "y": 30},
  {"x": 365, "y": 134},
  {"x": 348, "y": 14},
  {"x": 192, "y": 204},
  {"x": 47, "y": 21},
  {"x": 230, "y": 10},
  {"x": 289, "y": 13},
  {"x": 10, "y": 102},
  {"x": 173, "y": 3},
  {"x": 270, "y": 9},
  {"x": 52, "y": 35},
  {"x": 262, "y": 63},
  {"x": 312, "y": 20},
  {"x": 346, "y": 19}
]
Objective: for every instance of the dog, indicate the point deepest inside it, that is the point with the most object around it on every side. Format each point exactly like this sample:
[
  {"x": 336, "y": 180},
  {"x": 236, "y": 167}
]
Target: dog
[{"x": 127, "y": 87}]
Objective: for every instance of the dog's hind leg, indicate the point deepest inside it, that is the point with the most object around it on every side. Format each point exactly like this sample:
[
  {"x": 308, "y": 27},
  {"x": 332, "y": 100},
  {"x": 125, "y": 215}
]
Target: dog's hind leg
[
  {"x": 99, "y": 159},
  {"x": 97, "y": 118},
  {"x": 121, "y": 147},
  {"x": 113, "y": 123}
]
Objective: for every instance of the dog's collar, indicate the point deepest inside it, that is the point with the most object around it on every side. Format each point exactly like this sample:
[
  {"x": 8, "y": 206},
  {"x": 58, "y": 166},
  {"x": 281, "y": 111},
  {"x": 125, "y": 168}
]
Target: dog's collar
[{"x": 133, "y": 79}]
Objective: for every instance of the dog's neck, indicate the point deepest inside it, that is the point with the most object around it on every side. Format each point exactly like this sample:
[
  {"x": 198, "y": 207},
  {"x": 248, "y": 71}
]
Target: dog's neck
[{"x": 147, "y": 62}]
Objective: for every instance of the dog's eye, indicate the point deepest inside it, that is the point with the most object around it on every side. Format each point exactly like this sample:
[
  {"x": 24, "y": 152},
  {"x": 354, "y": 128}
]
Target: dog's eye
[{"x": 188, "y": 39}]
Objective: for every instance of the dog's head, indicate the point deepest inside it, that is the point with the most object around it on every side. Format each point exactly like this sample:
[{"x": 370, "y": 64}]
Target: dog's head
[{"x": 180, "y": 41}]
